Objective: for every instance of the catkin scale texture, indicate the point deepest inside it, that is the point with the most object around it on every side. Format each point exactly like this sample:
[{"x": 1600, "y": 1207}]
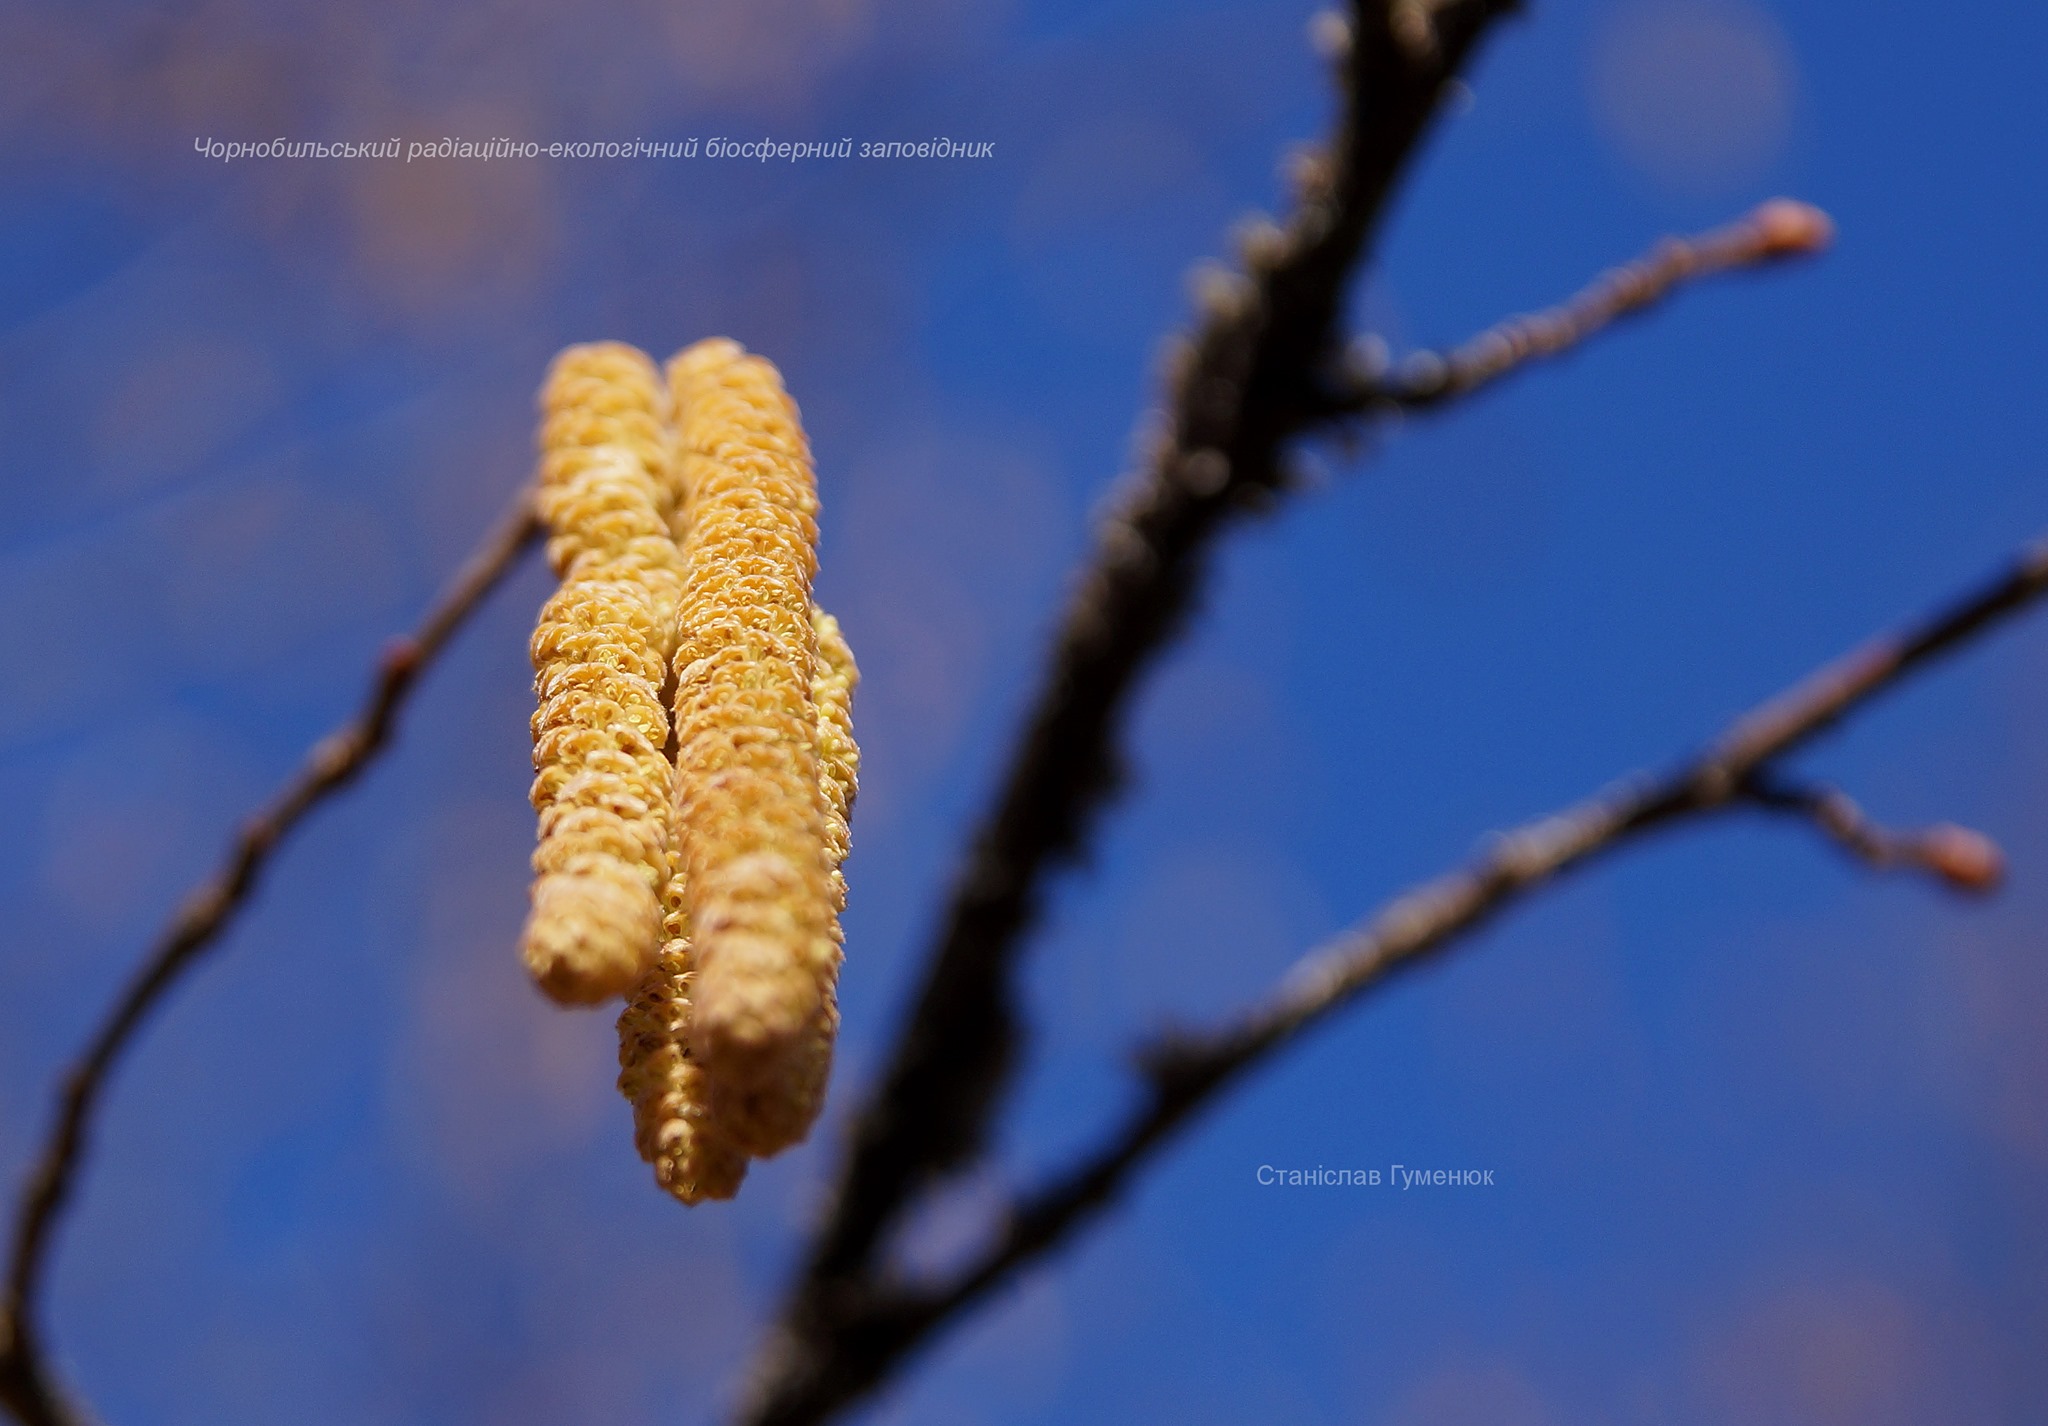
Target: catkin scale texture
[
  {"x": 753, "y": 847},
  {"x": 673, "y": 1125},
  {"x": 602, "y": 784},
  {"x": 832, "y": 684}
]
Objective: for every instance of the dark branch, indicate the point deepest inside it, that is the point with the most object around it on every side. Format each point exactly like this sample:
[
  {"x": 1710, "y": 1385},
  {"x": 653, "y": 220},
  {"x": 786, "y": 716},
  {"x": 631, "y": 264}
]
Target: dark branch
[
  {"x": 1265, "y": 366},
  {"x": 26, "y": 1384},
  {"x": 1773, "y": 231},
  {"x": 1266, "y": 343},
  {"x": 1185, "y": 1074}
]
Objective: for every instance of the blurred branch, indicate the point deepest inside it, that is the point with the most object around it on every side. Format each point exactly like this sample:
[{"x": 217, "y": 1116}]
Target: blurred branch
[
  {"x": 1265, "y": 365},
  {"x": 1243, "y": 388},
  {"x": 1965, "y": 859},
  {"x": 1185, "y": 1073},
  {"x": 26, "y": 1384},
  {"x": 1773, "y": 231}
]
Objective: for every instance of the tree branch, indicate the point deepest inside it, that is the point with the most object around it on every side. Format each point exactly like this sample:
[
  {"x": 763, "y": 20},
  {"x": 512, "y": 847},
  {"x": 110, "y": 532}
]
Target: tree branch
[
  {"x": 1184, "y": 1074},
  {"x": 27, "y": 1387},
  {"x": 1779, "y": 229},
  {"x": 1265, "y": 366},
  {"x": 1267, "y": 342}
]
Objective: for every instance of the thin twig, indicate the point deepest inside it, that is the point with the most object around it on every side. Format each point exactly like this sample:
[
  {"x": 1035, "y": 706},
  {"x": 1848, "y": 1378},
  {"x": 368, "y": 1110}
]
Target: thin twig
[
  {"x": 1186, "y": 1073},
  {"x": 1773, "y": 231},
  {"x": 1962, "y": 857},
  {"x": 27, "y": 1387},
  {"x": 1244, "y": 387}
]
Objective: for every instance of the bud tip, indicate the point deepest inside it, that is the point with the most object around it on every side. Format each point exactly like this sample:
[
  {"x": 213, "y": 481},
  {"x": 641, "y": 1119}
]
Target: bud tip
[
  {"x": 1965, "y": 859},
  {"x": 1787, "y": 227}
]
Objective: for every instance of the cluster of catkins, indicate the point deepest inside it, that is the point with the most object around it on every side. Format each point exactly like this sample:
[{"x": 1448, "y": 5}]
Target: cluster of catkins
[{"x": 690, "y": 863}]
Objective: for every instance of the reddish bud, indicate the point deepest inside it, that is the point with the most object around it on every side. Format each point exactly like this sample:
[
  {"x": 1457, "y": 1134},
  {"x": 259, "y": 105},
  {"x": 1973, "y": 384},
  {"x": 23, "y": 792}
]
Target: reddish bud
[
  {"x": 1966, "y": 860},
  {"x": 1786, "y": 227}
]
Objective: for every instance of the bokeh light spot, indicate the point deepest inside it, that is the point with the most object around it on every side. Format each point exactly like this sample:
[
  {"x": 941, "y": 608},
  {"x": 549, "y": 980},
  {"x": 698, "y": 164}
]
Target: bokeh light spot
[{"x": 1696, "y": 95}]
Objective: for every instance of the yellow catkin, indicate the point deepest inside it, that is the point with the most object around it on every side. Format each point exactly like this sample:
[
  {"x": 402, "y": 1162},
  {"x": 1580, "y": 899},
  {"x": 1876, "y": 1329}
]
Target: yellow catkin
[
  {"x": 672, "y": 1125},
  {"x": 608, "y": 494},
  {"x": 753, "y": 817},
  {"x": 675, "y": 1127}
]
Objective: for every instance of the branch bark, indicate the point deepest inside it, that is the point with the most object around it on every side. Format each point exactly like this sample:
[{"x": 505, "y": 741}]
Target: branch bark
[
  {"x": 28, "y": 1387},
  {"x": 1185, "y": 1074}
]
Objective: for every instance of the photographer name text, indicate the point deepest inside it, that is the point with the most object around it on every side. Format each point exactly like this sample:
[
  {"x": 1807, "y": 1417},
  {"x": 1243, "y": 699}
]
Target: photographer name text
[{"x": 1396, "y": 1176}]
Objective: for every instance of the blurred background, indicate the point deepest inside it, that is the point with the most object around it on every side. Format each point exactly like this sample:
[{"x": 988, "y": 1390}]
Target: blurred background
[{"x": 1764, "y": 1128}]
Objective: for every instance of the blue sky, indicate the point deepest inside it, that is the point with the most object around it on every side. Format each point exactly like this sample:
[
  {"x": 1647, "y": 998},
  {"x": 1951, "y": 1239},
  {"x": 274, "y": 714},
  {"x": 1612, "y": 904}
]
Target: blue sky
[{"x": 1764, "y": 1128}]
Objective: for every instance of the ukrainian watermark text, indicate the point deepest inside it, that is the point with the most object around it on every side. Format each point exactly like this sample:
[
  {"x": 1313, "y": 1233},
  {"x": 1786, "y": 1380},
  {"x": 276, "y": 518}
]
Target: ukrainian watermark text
[{"x": 763, "y": 150}]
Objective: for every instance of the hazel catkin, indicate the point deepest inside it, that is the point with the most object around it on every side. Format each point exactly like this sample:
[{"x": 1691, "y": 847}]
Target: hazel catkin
[
  {"x": 676, "y": 1127},
  {"x": 602, "y": 785},
  {"x": 753, "y": 839},
  {"x": 698, "y": 874},
  {"x": 673, "y": 1129}
]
